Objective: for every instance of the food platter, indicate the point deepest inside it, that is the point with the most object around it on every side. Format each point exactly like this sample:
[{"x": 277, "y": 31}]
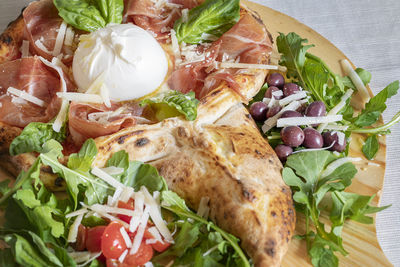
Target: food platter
[{"x": 359, "y": 239}]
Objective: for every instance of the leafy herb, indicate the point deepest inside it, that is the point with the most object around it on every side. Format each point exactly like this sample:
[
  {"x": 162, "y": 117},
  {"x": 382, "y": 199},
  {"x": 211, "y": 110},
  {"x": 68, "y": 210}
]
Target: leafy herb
[
  {"x": 213, "y": 17},
  {"x": 371, "y": 147},
  {"x": 173, "y": 104},
  {"x": 90, "y": 15},
  {"x": 364, "y": 75},
  {"x": 34, "y": 135},
  {"x": 197, "y": 230},
  {"x": 310, "y": 181}
]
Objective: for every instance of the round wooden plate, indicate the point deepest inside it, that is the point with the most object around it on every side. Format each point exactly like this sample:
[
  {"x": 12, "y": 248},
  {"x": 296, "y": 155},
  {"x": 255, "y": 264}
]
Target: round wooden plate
[{"x": 359, "y": 239}]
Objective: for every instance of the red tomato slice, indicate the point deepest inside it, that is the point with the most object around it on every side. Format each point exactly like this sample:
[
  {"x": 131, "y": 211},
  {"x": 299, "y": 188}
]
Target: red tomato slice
[
  {"x": 93, "y": 241},
  {"x": 130, "y": 206},
  {"x": 159, "y": 247},
  {"x": 144, "y": 254},
  {"x": 80, "y": 244},
  {"x": 112, "y": 242}
]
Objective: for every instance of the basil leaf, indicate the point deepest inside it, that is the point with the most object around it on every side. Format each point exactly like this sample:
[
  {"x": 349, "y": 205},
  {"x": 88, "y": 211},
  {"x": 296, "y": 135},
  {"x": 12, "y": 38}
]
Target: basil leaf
[
  {"x": 111, "y": 10},
  {"x": 371, "y": 147},
  {"x": 81, "y": 14},
  {"x": 376, "y": 105},
  {"x": 34, "y": 135},
  {"x": 213, "y": 17},
  {"x": 173, "y": 104}
]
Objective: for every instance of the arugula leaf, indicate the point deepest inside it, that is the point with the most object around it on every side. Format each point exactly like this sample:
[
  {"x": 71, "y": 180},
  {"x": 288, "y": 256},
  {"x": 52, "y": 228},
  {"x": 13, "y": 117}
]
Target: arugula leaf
[
  {"x": 34, "y": 135},
  {"x": 137, "y": 174},
  {"x": 173, "y": 104},
  {"x": 310, "y": 176},
  {"x": 213, "y": 17},
  {"x": 172, "y": 202},
  {"x": 371, "y": 147},
  {"x": 376, "y": 105},
  {"x": 83, "y": 160},
  {"x": 90, "y": 15}
]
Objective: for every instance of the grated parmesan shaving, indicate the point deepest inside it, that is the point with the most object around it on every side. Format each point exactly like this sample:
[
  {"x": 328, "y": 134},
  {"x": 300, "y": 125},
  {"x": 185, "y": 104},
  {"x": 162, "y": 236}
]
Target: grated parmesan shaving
[
  {"x": 60, "y": 39},
  {"x": 287, "y": 100},
  {"x": 115, "y": 197},
  {"x": 175, "y": 48},
  {"x": 336, "y": 127},
  {"x": 41, "y": 46},
  {"x": 105, "y": 95},
  {"x": 127, "y": 193},
  {"x": 80, "y": 97},
  {"x": 106, "y": 177},
  {"x": 76, "y": 213},
  {"x": 203, "y": 209},
  {"x": 123, "y": 255},
  {"x": 140, "y": 232},
  {"x": 126, "y": 237},
  {"x": 307, "y": 120},
  {"x": 69, "y": 36},
  {"x": 271, "y": 122},
  {"x": 91, "y": 258},
  {"x": 112, "y": 170},
  {"x": 349, "y": 71},
  {"x": 247, "y": 66},
  {"x": 61, "y": 117},
  {"x": 28, "y": 97},
  {"x": 24, "y": 49},
  {"x": 156, "y": 234},
  {"x": 73, "y": 230}
]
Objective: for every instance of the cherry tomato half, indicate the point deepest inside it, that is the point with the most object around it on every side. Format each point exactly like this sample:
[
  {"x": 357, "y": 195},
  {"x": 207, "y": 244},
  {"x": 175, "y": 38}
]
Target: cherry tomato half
[
  {"x": 129, "y": 206},
  {"x": 93, "y": 240},
  {"x": 112, "y": 242},
  {"x": 143, "y": 255},
  {"x": 159, "y": 247}
]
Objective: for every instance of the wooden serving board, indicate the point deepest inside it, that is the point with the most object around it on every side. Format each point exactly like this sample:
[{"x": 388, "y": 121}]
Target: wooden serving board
[{"x": 359, "y": 239}]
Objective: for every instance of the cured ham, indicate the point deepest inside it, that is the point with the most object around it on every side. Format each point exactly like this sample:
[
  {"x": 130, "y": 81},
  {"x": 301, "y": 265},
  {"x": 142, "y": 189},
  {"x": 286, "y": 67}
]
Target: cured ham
[
  {"x": 94, "y": 120},
  {"x": 156, "y": 16},
  {"x": 33, "y": 77},
  {"x": 42, "y": 24}
]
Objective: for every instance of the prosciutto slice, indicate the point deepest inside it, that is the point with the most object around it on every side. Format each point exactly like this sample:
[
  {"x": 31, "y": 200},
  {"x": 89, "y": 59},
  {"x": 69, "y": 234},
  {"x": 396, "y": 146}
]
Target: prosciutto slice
[
  {"x": 33, "y": 77},
  {"x": 94, "y": 120},
  {"x": 42, "y": 24},
  {"x": 158, "y": 19},
  {"x": 246, "y": 42}
]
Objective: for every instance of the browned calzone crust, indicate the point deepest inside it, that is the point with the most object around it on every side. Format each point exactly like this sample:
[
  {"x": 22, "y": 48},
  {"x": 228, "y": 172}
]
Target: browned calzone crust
[{"x": 220, "y": 155}]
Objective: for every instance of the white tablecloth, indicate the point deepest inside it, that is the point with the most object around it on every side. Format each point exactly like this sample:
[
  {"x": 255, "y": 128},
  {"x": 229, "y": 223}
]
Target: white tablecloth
[{"x": 368, "y": 32}]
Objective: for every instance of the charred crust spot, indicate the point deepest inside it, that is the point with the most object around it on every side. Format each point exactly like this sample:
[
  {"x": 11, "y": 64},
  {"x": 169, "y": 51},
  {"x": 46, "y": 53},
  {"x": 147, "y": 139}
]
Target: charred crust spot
[
  {"x": 271, "y": 161},
  {"x": 142, "y": 142},
  {"x": 58, "y": 182},
  {"x": 248, "y": 195},
  {"x": 46, "y": 169},
  {"x": 258, "y": 152},
  {"x": 182, "y": 132},
  {"x": 121, "y": 139},
  {"x": 256, "y": 217},
  {"x": 248, "y": 116},
  {"x": 5, "y": 38},
  {"x": 273, "y": 213},
  {"x": 269, "y": 247}
]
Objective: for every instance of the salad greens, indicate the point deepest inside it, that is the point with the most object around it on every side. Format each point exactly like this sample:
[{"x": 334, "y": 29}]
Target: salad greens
[
  {"x": 212, "y": 18},
  {"x": 315, "y": 76},
  {"x": 34, "y": 135},
  {"x": 90, "y": 15},
  {"x": 36, "y": 227},
  {"x": 173, "y": 104},
  {"x": 310, "y": 181}
]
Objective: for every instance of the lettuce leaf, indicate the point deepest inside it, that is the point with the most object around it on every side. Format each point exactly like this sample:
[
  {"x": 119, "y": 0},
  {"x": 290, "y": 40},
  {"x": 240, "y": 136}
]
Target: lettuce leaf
[
  {"x": 173, "y": 104},
  {"x": 213, "y": 17},
  {"x": 34, "y": 135}
]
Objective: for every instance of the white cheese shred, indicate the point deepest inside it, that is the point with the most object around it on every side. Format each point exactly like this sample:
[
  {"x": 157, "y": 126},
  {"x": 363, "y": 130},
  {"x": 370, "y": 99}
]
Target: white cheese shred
[
  {"x": 25, "y": 49},
  {"x": 105, "y": 95},
  {"x": 289, "y": 99},
  {"x": 106, "y": 177},
  {"x": 76, "y": 213},
  {"x": 60, "y": 39},
  {"x": 61, "y": 117},
  {"x": 73, "y": 230},
  {"x": 156, "y": 234},
  {"x": 230, "y": 65},
  {"x": 126, "y": 237},
  {"x": 123, "y": 255},
  {"x": 307, "y": 120},
  {"x": 69, "y": 37},
  {"x": 155, "y": 215},
  {"x": 335, "y": 110},
  {"x": 41, "y": 46},
  {"x": 91, "y": 258},
  {"x": 203, "y": 209},
  {"x": 175, "y": 48},
  {"x": 127, "y": 193},
  {"x": 349, "y": 71},
  {"x": 271, "y": 122},
  {"x": 28, "y": 97},
  {"x": 140, "y": 232},
  {"x": 80, "y": 97},
  {"x": 112, "y": 170}
]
